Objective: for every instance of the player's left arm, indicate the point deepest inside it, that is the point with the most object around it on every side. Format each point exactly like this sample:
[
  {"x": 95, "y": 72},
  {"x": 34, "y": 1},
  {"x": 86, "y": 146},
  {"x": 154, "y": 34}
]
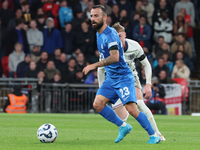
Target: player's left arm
[
  {"x": 148, "y": 73},
  {"x": 113, "y": 58}
]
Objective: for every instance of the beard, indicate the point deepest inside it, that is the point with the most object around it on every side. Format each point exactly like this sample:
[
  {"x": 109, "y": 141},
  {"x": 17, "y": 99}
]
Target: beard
[{"x": 98, "y": 25}]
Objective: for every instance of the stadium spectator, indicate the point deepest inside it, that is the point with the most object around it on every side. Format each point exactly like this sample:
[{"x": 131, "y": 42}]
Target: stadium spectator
[
  {"x": 139, "y": 10},
  {"x": 65, "y": 13},
  {"x": 182, "y": 49},
  {"x": 79, "y": 77},
  {"x": 50, "y": 70},
  {"x": 91, "y": 78},
  {"x": 163, "y": 79},
  {"x": 136, "y": 18},
  {"x": 156, "y": 102},
  {"x": 77, "y": 52},
  {"x": 15, "y": 58},
  {"x": 161, "y": 66},
  {"x": 181, "y": 40},
  {"x": 69, "y": 74},
  {"x": 62, "y": 64},
  {"x": 40, "y": 11},
  {"x": 6, "y": 14},
  {"x": 189, "y": 34},
  {"x": 68, "y": 37},
  {"x": 32, "y": 70},
  {"x": 122, "y": 14},
  {"x": 11, "y": 4},
  {"x": 107, "y": 7},
  {"x": 126, "y": 23},
  {"x": 142, "y": 33},
  {"x": 115, "y": 14},
  {"x": 167, "y": 62},
  {"x": 17, "y": 101},
  {"x": 185, "y": 59},
  {"x": 162, "y": 5},
  {"x": 56, "y": 56},
  {"x": 126, "y": 5},
  {"x": 23, "y": 66},
  {"x": 52, "y": 37},
  {"x": 3, "y": 34},
  {"x": 164, "y": 48},
  {"x": 42, "y": 63},
  {"x": 76, "y": 21},
  {"x": 41, "y": 25},
  {"x": 51, "y": 9},
  {"x": 84, "y": 4},
  {"x": 34, "y": 36},
  {"x": 88, "y": 9},
  {"x": 180, "y": 26},
  {"x": 85, "y": 40},
  {"x": 157, "y": 46},
  {"x": 149, "y": 8},
  {"x": 57, "y": 78},
  {"x": 95, "y": 57},
  {"x": 18, "y": 15},
  {"x": 17, "y": 34},
  {"x": 81, "y": 63},
  {"x": 35, "y": 55},
  {"x": 187, "y": 5},
  {"x": 180, "y": 70},
  {"x": 27, "y": 14},
  {"x": 109, "y": 21},
  {"x": 163, "y": 27}
]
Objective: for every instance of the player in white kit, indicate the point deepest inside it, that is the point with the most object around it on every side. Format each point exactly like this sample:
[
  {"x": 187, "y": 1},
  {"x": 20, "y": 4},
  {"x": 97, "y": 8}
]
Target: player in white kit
[{"x": 133, "y": 50}]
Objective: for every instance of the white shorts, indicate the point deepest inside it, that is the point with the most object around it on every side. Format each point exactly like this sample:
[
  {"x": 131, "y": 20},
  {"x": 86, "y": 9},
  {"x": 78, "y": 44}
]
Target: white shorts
[{"x": 137, "y": 84}]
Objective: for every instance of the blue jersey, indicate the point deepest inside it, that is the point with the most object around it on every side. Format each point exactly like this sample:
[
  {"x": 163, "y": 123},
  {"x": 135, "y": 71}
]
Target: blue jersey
[{"x": 107, "y": 39}]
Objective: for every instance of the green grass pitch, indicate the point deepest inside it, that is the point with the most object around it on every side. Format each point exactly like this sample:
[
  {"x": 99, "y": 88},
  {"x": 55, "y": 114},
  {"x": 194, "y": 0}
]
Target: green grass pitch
[{"x": 92, "y": 132}]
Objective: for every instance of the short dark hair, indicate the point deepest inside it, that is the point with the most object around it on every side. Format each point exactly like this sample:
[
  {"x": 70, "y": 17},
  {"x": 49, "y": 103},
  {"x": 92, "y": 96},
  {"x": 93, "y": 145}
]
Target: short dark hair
[
  {"x": 160, "y": 36},
  {"x": 72, "y": 58},
  {"x": 40, "y": 16},
  {"x": 101, "y": 7},
  {"x": 143, "y": 16},
  {"x": 25, "y": 3},
  {"x": 182, "y": 34},
  {"x": 19, "y": 21}
]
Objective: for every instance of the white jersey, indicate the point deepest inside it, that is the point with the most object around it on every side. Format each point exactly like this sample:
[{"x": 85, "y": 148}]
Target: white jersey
[{"x": 133, "y": 51}]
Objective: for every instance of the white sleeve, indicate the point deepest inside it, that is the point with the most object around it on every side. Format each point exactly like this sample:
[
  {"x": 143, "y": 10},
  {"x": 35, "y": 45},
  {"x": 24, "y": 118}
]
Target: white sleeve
[
  {"x": 148, "y": 70},
  {"x": 101, "y": 75}
]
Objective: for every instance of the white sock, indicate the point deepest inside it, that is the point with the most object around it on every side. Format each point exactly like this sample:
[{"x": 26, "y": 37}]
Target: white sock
[
  {"x": 123, "y": 125},
  {"x": 126, "y": 118},
  {"x": 142, "y": 107}
]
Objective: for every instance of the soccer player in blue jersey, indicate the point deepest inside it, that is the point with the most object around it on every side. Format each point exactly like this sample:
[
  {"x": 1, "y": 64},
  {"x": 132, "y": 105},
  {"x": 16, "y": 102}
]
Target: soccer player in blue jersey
[{"x": 119, "y": 82}]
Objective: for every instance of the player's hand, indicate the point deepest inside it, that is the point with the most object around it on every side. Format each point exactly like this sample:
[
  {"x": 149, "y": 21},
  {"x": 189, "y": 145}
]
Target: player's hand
[
  {"x": 88, "y": 68},
  {"x": 147, "y": 91}
]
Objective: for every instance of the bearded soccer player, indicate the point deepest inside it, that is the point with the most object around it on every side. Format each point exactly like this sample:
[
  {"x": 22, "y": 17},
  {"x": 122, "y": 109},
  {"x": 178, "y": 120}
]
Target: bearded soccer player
[
  {"x": 118, "y": 78},
  {"x": 133, "y": 50}
]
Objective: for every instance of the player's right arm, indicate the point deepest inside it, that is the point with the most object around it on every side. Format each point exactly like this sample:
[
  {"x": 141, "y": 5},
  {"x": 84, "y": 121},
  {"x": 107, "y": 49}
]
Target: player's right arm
[{"x": 113, "y": 58}]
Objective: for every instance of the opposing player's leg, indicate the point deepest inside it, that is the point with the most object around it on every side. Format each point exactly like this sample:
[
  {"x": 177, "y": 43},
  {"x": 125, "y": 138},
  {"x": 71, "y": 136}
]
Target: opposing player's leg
[
  {"x": 142, "y": 107},
  {"x": 108, "y": 113},
  {"x": 120, "y": 110}
]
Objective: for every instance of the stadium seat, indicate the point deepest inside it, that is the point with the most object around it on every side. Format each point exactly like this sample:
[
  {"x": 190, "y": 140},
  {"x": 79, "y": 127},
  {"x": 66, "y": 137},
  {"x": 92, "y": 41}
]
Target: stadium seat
[
  {"x": 5, "y": 67},
  {"x": 184, "y": 87}
]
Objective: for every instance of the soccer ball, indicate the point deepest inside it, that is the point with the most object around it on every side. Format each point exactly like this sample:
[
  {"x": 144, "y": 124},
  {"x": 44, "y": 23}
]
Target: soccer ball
[{"x": 47, "y": 133}]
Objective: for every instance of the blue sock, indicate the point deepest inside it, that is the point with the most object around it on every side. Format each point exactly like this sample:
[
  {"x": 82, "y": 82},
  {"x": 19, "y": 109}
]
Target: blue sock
[
  {"x": 144, "y": 122},
  {"x": 111, "y": 116}
]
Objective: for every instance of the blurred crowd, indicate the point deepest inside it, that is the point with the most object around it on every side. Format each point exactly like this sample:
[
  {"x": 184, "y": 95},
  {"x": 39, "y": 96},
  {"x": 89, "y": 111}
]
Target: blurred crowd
[{"x": 53, "y": 40}]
